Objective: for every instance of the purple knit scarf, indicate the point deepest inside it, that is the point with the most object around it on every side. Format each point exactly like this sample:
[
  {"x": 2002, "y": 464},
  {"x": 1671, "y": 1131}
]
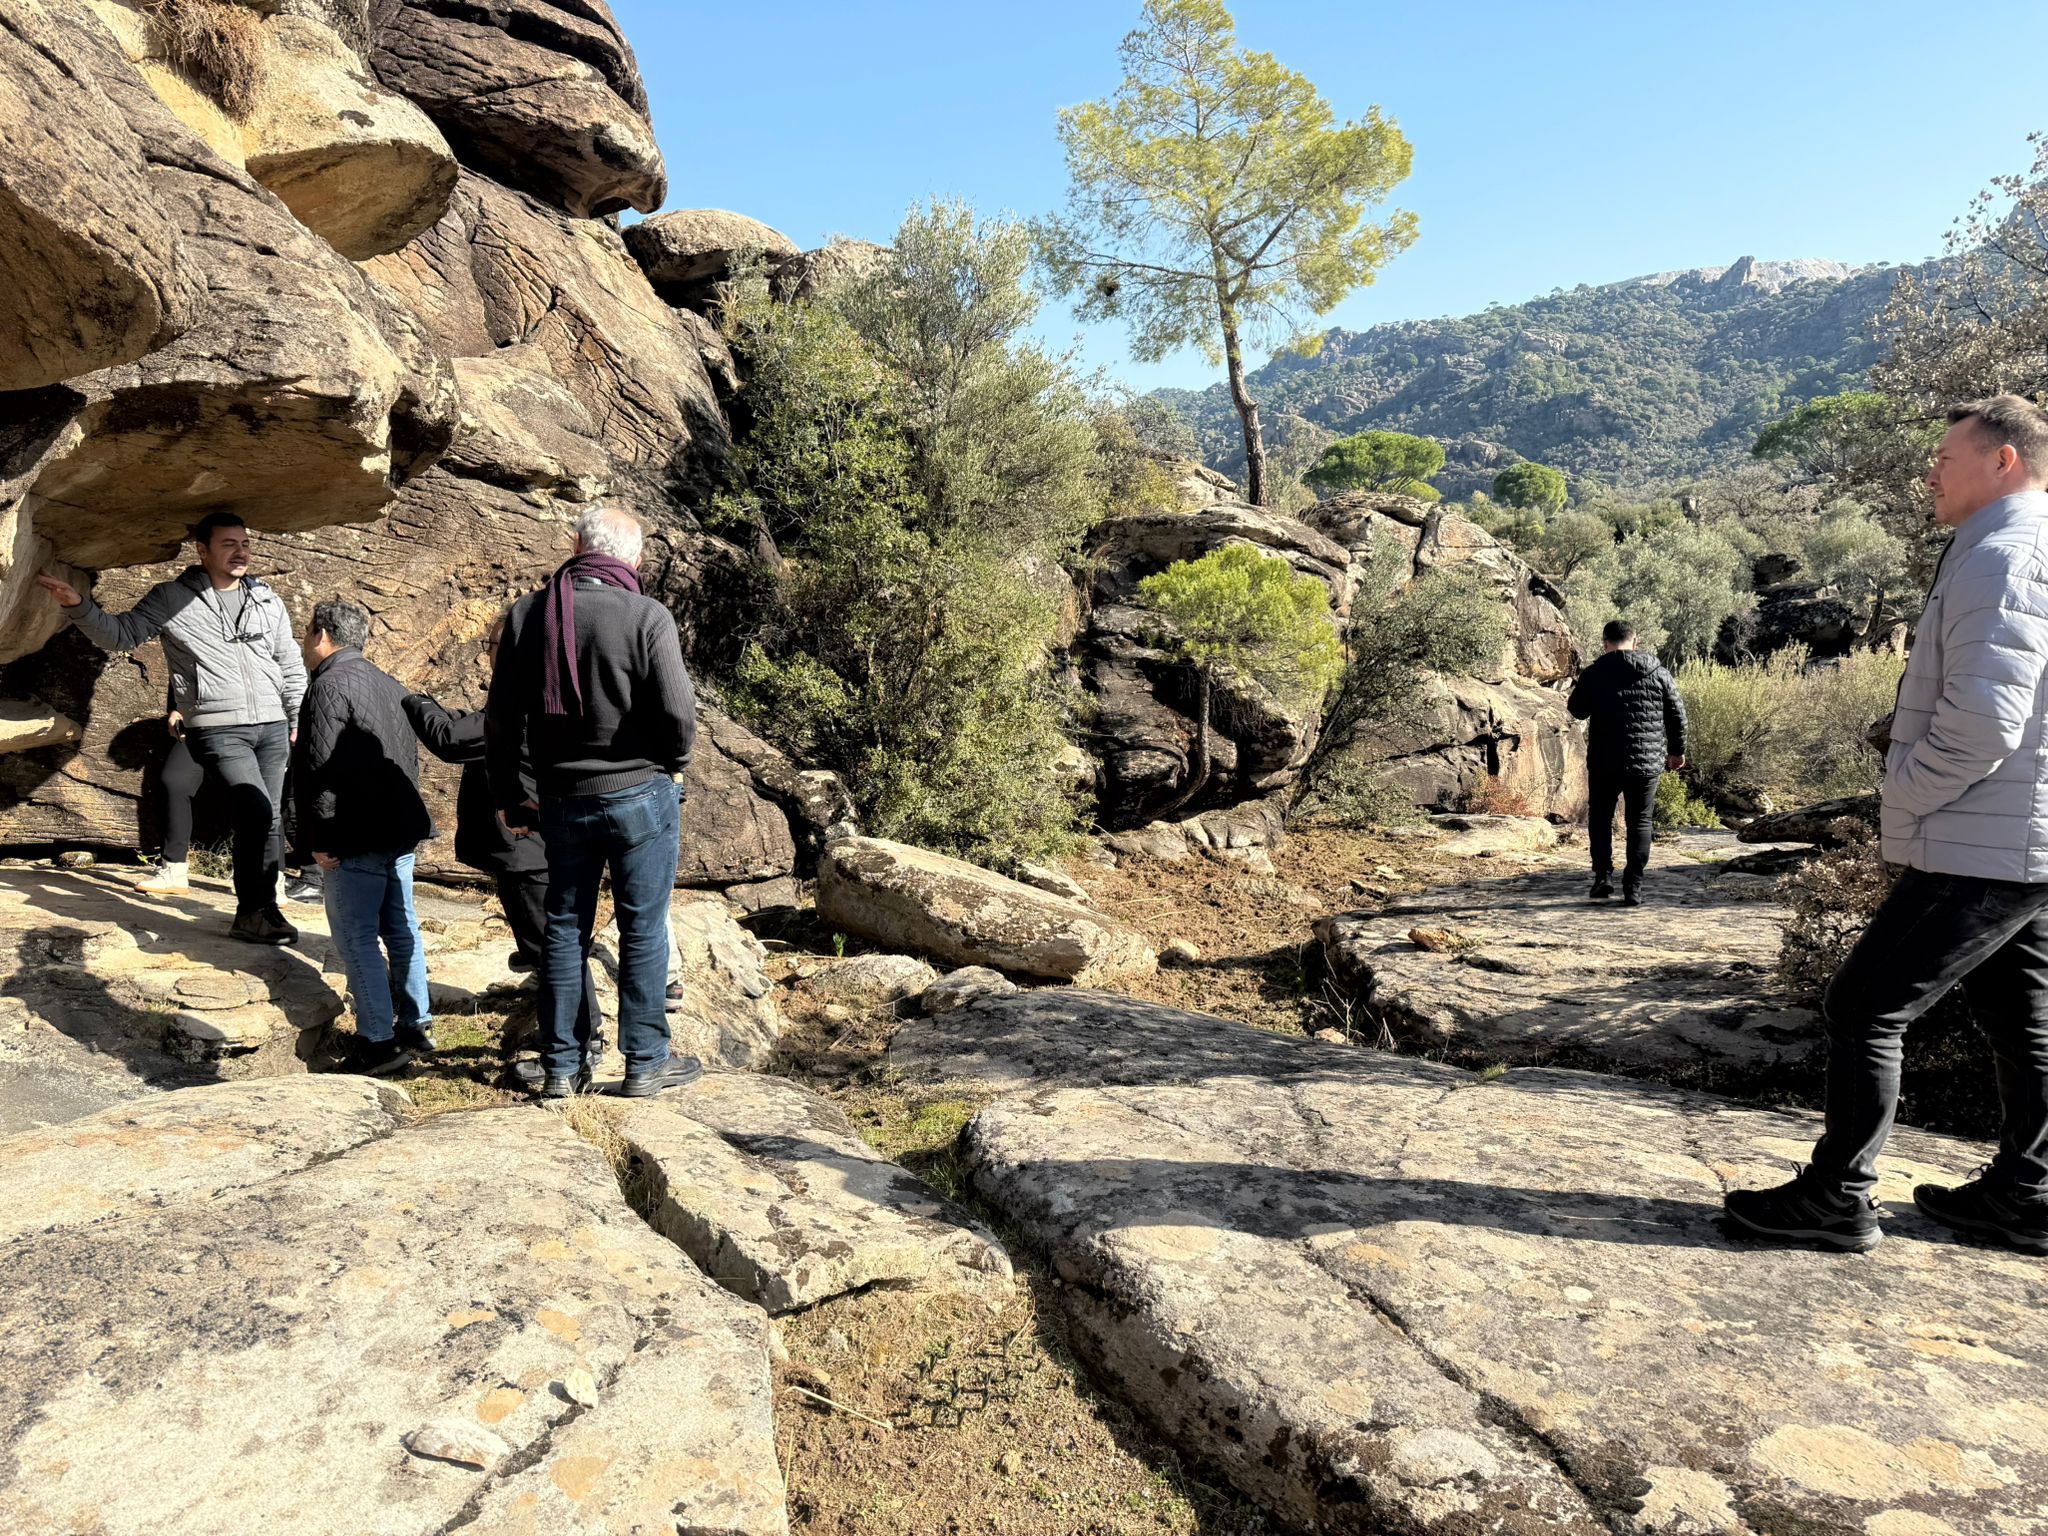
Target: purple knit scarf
[{"x": 558, "y": 626}]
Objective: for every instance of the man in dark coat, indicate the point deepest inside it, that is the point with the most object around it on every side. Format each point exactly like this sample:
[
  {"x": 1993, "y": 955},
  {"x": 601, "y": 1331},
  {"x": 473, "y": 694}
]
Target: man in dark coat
[
  {"x": 356, "y": 769},
  {"x": 1638, "y": 732},
  {"x": 518, "y": 861}
]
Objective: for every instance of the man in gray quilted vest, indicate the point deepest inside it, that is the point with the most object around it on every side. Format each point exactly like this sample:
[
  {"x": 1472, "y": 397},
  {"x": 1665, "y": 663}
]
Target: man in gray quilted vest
[{"x": 1966, "y": 814}]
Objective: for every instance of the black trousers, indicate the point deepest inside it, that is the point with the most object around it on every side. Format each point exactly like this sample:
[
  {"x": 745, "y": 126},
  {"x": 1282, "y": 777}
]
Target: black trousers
[
  {"x": 1638, "y": 798},
  {"x": 250, "y": 760},
  {"x": 182, "y": 780},
  {"x": 1932, "y": 933},
  {"x": 525, "y": 899}
]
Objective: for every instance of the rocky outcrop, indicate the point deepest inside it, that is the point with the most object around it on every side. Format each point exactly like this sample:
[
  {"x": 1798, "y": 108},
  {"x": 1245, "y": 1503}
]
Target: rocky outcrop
[
  {"x": 1142, "y": 727},
  {"x": 1382, "y": 1294},
  {"x": 826, "y": 268},
  {"x": 911, "y": 899},
  {"x": 865, "y": 983},
  {"x": 364, "y": 169},
  {"x": 98, "y": 270},
  {"x": 544, "y": 95},
  {"x": 688, "y": 253},
  {"x": 298, "y": 393},
  {"x": 1501, "y": 736},
  {"x": 773, "y": 1193},
  {"x": 729, "y": 1018},
  {"x": 283, "y": 1340},
  {"x": 1525, "y": 969}
]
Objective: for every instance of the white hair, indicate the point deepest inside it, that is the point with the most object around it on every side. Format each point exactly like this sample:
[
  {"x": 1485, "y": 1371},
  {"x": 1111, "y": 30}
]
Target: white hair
[{"x": 608, "y": 531}]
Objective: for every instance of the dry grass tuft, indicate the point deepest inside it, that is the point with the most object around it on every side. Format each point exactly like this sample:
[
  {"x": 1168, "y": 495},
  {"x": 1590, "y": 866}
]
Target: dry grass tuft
[{"x": 217, "y": 43}]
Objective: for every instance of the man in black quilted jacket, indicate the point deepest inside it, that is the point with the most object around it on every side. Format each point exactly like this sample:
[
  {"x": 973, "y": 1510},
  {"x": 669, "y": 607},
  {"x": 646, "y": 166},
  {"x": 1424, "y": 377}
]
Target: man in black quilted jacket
[
  {"x": 1638, "y": 732},
  {"x": 357, "y": 769}
]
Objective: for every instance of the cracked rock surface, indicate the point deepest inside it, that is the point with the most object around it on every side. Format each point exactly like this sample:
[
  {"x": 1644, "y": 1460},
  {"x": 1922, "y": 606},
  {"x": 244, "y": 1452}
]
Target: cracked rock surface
[
  {"x": 248, "y": 1358},
  {"x": 1385, "y": 1295},
  {"x": 1683, "y": 981},
  {"x": 772, "y": 1192}
]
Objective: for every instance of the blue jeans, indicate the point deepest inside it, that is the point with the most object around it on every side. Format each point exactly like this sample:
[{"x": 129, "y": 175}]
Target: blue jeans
[
  {"x": 634, "y": 833},
  {"x": 370, "y": 897}
]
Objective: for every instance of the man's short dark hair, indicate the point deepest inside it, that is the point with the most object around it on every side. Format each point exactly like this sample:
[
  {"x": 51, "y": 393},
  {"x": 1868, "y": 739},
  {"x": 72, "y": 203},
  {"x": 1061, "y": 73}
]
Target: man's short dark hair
[
  {"x": 343, "y": 623},
  {"x": 1618, "y": 632},
  {"x": 2010, "y": 419},
  {"x": 204, "y": 530}
]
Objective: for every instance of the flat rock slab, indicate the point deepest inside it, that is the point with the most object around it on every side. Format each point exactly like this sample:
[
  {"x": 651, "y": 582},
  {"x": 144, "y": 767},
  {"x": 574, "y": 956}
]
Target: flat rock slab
[
  {"x": 1520, "y": 968},
  {"x": 773, "y": 1193},
  {"x": 1386, "y": 1296},
  {"x": 132, "y": 993},
  {"x": 256, "y": 1359},
  {"x": 172, "y": 1148}
]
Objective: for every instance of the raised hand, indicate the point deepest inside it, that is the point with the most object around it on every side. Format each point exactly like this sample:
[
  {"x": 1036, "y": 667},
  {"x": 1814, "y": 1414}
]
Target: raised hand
[{"x": 66, "y": 594}]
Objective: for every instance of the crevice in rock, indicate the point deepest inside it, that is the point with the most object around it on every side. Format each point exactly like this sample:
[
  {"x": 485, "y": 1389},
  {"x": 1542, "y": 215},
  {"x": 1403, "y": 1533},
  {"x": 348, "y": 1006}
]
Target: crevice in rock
[{"x": 1493, "y": 1408}]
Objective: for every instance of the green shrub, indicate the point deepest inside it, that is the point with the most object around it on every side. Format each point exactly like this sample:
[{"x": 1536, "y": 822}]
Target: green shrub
[
  {"x": 1676, "y": 807},
  {"x": 1537, "y": 487},
  {"x": 1786, "y": 727},
  {"x": 924, "y": 469}
]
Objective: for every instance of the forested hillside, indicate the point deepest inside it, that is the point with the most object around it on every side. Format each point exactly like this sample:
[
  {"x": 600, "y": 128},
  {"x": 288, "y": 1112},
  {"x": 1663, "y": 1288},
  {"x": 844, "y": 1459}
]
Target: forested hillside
[{"x": 1643, "y": 382}]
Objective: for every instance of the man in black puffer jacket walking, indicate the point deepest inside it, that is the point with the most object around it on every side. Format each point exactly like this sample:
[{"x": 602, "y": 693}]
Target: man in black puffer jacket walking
[{"x": 1638, "y": 731}]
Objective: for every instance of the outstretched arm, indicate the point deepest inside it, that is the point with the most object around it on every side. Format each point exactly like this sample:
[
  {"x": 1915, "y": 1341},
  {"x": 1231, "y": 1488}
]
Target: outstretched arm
[
  {"x": 452, "y": 735},
  {"x": 113, "y": 631}
]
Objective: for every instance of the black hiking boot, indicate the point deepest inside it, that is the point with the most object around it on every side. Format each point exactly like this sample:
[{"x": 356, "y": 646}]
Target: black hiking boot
[
  {"x": 266, "y": 926},
  {"x": 676, "y": 1072},
  {"x": 1802, "y": 1211},
  {"x": 372, "y": 1058},
  {"x": 1983, "y": 1209},
  {"x": 554, "y": 1086},
  {"x": 419, "y": 1041},
  {"x": 1631, "y": 896},
  {"x": 533, "y": 1074},
  {"x": 1602, "y": 889}
]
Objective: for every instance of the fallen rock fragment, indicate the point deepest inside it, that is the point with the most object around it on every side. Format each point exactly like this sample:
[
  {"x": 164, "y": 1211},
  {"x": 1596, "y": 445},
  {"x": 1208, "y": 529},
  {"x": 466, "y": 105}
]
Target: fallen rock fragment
[
  {"x": 956, "y": 989},
  {"x": 909, "y": 898},
  {"x": 771, "y": 1191},
  {"x": 463, "y": 1442}
]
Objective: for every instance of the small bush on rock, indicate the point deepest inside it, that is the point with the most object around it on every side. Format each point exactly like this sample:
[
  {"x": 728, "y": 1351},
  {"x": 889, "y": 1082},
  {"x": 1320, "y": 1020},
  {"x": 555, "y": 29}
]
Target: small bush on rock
[
  {"x": 219, "y": 45},
  {"x": 1832, "y": 901}
]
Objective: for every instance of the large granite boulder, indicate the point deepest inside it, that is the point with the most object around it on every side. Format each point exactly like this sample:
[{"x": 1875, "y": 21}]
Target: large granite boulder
[
  {"x": 1142, "y": 727},
  {"x": 688, "y": 253},
  {"x": 360, "y": 166},
  {"x": 575, "y": 381},
  {"x": 544, "y": 95},
  {"x": 1382, "y": 1294},
  {"x": 826, "y": 269},
  {"x": 1524, "y": 969},
  {"x": 299, "y": 393},
  {"x": 1502, "y": 735},
  {"x": 285, "y": 1339},
  {"x": 98, "y": 270},
  {"x": 770, "y": 1190},
  {"x": 906, "y": 898}
]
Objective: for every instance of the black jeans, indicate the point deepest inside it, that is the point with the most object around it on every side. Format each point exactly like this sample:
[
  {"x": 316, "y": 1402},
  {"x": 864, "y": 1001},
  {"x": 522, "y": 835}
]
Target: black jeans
[
  {"x": 1638, "y": 796},
  {"x": 249, "y": 760},
  {"x": 181, "y": 781},
  {"x": 1933, "y": 932},
  {"x": 525, "y": 899}
]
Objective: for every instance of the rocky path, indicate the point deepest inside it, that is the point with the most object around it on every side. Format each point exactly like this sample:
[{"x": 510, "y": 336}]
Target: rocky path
[
  {"x": 1520, "y": 967},
  {"x": 1390, "y": 1295}
]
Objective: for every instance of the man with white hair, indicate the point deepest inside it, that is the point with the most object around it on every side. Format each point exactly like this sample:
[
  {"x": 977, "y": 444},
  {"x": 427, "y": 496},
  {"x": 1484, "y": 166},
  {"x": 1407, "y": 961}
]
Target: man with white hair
[{"x": 590, "y": 678}]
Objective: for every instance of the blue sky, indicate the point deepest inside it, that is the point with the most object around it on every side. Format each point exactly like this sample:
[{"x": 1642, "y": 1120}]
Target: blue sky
[{"x": 1554, "y": 143}]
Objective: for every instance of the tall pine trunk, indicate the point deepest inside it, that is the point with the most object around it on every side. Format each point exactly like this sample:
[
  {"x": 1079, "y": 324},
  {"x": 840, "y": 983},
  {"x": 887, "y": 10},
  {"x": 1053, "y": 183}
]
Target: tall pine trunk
[
  {"x": 1198, "y": 759},
  {"x": 1256, "y": 490}
]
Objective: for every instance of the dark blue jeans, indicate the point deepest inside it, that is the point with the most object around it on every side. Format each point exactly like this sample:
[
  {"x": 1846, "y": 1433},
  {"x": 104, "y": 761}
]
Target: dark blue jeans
[
  {"x": 1932, "y": 933},
  {"x": 369, "y": 898},
  {"x": 250, "y": 760},
  {"x": 633, "y": 833}
]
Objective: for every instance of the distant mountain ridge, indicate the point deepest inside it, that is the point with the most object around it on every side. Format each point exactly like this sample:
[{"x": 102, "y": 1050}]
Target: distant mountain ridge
[{"x": 1645, "y": 382}]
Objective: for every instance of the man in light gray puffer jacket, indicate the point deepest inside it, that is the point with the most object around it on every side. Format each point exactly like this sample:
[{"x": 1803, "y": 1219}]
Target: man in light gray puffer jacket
[
  {"x": 1965, "y": 810},
  {"x": 237, "y": 677}
]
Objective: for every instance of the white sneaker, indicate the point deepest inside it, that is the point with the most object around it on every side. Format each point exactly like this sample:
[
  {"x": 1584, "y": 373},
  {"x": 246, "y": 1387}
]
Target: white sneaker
[{"x": 170, "y": 879}]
